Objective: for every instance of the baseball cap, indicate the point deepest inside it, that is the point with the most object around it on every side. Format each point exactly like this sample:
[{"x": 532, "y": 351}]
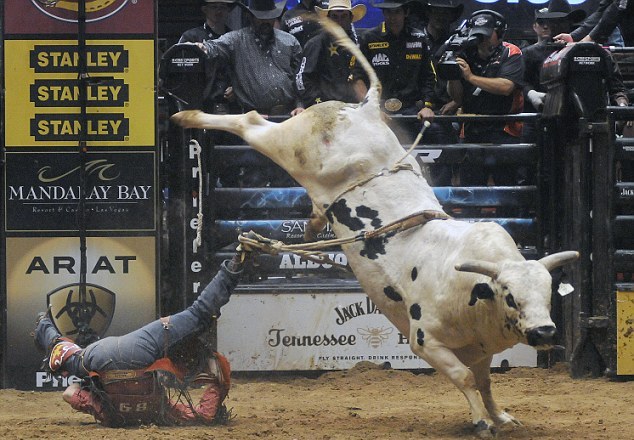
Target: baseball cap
[{"x": 483, "y": 24}]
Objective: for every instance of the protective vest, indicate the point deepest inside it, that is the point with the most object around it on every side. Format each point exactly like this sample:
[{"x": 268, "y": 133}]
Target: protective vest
[{"x": 135, "y": 397}]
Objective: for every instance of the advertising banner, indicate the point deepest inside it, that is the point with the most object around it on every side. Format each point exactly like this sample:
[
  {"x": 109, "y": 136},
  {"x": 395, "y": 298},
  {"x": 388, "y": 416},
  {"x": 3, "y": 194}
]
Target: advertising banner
[
  {"x": 41, "y": 80},
  {"x": 625, "y": 333},
  {"x": 60, "y": 16},
  {"x": 58, "y": 92},
  {"x": 44, "y": 271},
  {"x": 42, "y": 191},
  {"x": 323, "y": 331}
]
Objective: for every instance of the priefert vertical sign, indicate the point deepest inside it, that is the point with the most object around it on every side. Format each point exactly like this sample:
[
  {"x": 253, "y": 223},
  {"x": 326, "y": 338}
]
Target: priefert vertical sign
[{"x": 42, "y": 188}]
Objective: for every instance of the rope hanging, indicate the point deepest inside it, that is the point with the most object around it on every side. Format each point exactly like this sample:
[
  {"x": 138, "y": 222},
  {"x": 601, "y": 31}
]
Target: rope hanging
[{"x": 312, "y": 251}]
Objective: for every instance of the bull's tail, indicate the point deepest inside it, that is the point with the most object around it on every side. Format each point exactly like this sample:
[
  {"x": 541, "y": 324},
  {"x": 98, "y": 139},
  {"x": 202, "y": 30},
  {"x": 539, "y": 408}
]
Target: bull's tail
[{"x": 341, "y": 38}]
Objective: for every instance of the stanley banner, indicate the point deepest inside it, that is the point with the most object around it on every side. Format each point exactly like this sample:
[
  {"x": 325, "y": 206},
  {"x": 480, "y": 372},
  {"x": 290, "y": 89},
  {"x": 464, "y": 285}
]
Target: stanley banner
[{"x": 42, "y": 81}]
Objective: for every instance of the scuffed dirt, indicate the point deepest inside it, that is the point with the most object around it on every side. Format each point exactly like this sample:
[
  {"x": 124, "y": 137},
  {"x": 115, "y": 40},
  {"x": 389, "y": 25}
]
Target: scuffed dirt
[{"x": 363, "y": 403}]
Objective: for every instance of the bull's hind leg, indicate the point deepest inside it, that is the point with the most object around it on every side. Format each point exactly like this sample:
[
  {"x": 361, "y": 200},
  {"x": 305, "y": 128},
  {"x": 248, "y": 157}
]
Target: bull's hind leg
[
  {"x": 481, "y": 372},
  {"x": 446, "y": 362},
  {"x": 244, "y": 125}
]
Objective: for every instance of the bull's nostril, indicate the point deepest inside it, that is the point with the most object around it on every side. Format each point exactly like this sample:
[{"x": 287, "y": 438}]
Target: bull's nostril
[{"x": 541, "y": 335}]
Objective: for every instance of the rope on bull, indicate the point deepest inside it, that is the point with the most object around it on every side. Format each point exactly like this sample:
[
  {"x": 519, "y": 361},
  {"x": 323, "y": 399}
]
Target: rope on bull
[
  {"x": 312, "y": 250},
  {"x": 419, "y": 136},
  {"x": 309, "y": 251}
]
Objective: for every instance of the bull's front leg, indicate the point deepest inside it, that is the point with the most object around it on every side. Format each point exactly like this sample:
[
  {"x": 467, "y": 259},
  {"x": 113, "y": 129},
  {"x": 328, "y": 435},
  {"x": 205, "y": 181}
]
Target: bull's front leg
[
  {"x": 446, "y": 362},
  {"x": 481, "y": 371}
]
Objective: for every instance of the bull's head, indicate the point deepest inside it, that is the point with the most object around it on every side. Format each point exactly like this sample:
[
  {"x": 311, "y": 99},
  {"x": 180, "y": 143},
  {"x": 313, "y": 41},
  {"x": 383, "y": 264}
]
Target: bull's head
[{"x": 522, "y": 290}]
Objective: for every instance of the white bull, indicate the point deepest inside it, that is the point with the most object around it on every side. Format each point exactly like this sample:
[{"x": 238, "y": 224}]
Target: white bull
[{"x": 461, "y": 292}]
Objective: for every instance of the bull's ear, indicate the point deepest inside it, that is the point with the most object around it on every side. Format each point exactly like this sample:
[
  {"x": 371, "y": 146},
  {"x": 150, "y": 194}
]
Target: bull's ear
[{"x": 481, "y": 291}]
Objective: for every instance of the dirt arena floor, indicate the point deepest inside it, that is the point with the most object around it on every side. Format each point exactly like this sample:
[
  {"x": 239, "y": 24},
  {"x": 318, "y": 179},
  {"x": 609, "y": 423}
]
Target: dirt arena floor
[{"x": 362, "y": 403}]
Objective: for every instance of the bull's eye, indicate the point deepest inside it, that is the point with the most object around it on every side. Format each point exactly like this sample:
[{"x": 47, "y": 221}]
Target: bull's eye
[{"x": 510, "y": 301}]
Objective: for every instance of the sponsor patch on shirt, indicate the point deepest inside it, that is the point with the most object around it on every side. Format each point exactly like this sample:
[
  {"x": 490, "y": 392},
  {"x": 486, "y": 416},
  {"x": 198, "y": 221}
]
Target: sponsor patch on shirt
[
  {"x": 414, "y": 44},
  {"x": 413, "y": 56},
  {"x": 380, "y": 45},
  {"x": 380, "y": 59}
]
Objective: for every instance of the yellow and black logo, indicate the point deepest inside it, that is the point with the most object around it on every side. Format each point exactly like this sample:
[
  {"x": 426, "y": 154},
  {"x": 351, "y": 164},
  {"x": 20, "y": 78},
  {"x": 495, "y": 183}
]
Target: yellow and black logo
[
  {"x": 67, "y": 10},
  {"x": 73, "y": 308}
]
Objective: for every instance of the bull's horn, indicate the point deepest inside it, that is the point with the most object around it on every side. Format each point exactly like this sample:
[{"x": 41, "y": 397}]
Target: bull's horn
[
  {"x": 553, "y": 261},
  {"x": 482, "y": 267}
]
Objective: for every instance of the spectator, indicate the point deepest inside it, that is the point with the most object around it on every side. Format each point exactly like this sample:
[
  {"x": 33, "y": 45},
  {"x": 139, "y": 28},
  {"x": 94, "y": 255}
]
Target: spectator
[
  {"x": 216, "y": 13},
  {"x": 402, "y": 61},
  {"x": 295, "y": 23},
  {"x": 119, "y": 372},
  {"x": 492, "y": 74},
  {"x": 219, "y": 94},
  {"x": 262, "y": 61},
  {"x": 439, "y": 16},
  {"x": 326, "y": 69},
  {"x": 601, "y": 24},
  {"x": 558, "y": 17}
]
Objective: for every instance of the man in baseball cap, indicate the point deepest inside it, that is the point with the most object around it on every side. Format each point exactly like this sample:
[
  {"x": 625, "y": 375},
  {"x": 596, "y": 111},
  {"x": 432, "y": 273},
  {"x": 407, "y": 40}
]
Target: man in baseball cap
[
  {"x": 492, "y": 76},
  {"x": 483, "y": 23}
]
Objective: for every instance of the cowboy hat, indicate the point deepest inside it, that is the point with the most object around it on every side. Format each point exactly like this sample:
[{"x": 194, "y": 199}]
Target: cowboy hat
[
  {"x": 358, "y": 11},
  {"x": 230, "y": 3},
  {"x": 450, "y": 5},
  {"x": 265, "y": 9},
  {"x": 559, "y": 9},
  {"x": 392, "y": 4}
]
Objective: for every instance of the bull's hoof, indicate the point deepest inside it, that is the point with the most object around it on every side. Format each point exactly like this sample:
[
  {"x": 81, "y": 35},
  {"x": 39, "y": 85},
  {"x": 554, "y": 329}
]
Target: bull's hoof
[
  {"x": 484, "y": 429},
  {"x": 505, "y": 420}
]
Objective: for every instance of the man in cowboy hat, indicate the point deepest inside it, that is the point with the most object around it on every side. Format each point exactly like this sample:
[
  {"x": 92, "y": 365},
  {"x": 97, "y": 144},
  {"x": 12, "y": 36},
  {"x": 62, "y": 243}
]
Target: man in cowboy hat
[
  {"x": 439, "y": 15},
  {"x": 262, "y": 61},
  {"x": 295, "y": 23},
  {"x": 216, "y": 13},
  {"x": 601, "y": 25},
  {"x": 326, "y": 69},
  {"x": 556, "y": 18},
  {"x": 402, "y": 61}
]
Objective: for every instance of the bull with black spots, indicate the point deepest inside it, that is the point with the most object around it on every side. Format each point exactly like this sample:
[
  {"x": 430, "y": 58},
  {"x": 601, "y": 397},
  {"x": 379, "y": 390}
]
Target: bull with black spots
[{"x": 461, "y": 292}]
